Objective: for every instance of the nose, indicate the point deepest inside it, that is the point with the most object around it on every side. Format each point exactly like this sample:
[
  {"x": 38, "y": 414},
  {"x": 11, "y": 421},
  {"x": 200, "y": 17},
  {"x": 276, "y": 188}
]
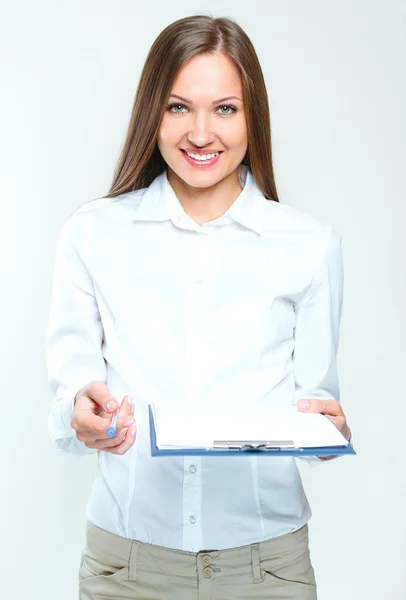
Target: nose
[{"x": 200, "y": 134}]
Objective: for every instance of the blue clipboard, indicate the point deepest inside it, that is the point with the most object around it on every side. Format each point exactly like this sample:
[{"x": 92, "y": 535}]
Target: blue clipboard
[{"x": 227, "y": 448}]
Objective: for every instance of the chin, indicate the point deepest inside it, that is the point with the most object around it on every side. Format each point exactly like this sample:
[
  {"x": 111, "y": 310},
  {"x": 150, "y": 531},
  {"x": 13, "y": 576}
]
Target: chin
[{"x": 203, "y": 178}]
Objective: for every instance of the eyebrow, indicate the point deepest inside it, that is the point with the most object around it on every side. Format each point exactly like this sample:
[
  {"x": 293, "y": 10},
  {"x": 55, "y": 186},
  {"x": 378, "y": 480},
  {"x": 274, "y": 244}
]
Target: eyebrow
[{"x": 215, "y": 101}]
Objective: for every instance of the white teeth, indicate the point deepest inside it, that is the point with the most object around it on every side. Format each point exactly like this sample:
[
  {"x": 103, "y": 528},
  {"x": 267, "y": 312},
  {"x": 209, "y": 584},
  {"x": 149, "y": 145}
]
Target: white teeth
[{"x": 201, "y": 156}]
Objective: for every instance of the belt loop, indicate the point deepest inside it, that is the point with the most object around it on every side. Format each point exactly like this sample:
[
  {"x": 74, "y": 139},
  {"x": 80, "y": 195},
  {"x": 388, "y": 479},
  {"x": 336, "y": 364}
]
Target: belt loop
[
  {"x": 132, "y": 562},
  {"x": 256, "y": 569}
]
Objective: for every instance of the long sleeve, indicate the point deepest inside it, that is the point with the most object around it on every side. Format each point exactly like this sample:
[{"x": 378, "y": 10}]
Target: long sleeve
[
  {"x": 318, "y": 316},
  {"x": 74, "y": 334}
]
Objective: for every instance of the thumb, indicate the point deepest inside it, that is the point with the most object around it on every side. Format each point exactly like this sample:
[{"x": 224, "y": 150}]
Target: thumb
[{"x": 99, "y": 392}]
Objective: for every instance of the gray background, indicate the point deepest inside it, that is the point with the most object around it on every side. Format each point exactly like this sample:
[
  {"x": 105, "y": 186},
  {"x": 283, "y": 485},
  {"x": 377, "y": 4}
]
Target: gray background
[{"x": 335, "y": 78}]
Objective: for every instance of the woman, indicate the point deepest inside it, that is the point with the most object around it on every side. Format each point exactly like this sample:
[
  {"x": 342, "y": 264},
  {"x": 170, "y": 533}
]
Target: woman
[{"x": 190, "y": 280}]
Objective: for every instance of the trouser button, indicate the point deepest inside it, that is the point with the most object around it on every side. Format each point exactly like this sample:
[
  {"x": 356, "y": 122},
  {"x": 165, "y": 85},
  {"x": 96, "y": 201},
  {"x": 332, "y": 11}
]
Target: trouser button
[{"x": 207, "y": 572}]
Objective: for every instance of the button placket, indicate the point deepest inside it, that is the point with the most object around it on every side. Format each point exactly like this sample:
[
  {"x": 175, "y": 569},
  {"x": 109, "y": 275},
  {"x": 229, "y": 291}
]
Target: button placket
[
  {"x": 205, "y": 561},
  {"x": 192, "y": 501},
  {"x": 195, "y": 347},
  {"x": 199, "y": 265},
  {"x": 194, "y": 375}
]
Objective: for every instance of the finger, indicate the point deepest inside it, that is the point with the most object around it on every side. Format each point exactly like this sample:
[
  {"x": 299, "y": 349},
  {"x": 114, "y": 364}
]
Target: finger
[
  {"x": 316, "y": 405},
  {"x": 95, "y": 428},
  {"x": 125, "y": 416},
  {"x": 126, "y": 413},
  {"x": 91, "y": 427},
  {"x": 88, "y": 425},
  {"x": 341, "y": 424},
  {"x": 126, "y": 444},
  {"x": 100, "y": 393},
  {"x": 103, "y": 443}
]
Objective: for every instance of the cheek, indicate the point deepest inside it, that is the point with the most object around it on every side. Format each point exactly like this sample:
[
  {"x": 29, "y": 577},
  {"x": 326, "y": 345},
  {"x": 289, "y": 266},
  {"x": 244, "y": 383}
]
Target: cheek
[
  {"x": 162, "y": 137},
  {"x": 166, "y": 133},
  {"x": 237, "y": 135}
]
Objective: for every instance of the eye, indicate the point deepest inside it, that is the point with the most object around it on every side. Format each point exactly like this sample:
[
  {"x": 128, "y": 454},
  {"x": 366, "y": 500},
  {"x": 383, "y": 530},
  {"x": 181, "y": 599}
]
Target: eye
[
  {"x": 175, "y": 105},
  {"x": 232, "y": 108},
  {"x": 228, "y": 107}
]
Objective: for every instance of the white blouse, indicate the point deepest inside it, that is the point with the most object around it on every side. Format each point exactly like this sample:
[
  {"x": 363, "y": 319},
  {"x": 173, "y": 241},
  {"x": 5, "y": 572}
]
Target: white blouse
[{"x": 243, "y": 309}]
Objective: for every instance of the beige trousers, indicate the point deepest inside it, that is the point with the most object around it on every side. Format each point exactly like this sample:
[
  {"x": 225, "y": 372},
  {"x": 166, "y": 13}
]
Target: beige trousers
[{"x": 113, "y": 567}]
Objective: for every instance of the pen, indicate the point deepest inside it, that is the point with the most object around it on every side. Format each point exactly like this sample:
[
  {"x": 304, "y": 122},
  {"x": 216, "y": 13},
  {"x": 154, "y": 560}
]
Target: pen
[{"x": 111, "y": 431}]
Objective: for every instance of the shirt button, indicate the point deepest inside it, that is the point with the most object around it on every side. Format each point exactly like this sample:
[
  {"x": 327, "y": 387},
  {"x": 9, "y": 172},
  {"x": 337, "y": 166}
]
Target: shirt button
[
  {"x": 192, "y": 469},
  {"x": 192, "y": 519}
]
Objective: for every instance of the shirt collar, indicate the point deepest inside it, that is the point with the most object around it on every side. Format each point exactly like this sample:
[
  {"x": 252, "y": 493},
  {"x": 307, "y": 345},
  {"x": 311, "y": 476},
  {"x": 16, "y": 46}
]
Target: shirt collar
[{"x": 160, "y": 203}]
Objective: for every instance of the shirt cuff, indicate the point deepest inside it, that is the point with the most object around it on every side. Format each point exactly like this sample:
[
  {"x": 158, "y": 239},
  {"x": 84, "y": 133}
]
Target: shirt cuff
[{"x": 61, "y": 430}]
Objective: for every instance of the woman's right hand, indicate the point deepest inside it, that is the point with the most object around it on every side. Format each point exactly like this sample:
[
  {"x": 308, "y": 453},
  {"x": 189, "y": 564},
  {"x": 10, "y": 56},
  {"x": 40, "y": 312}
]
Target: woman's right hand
[{"x": 92, "y": 415}]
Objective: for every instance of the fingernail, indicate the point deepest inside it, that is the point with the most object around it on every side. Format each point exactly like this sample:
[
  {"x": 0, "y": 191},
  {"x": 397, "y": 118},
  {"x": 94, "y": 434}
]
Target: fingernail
[
  {"x": 129, "y": 422},
  {"x": 133, "y": 431},
  {"x": 303, "y": 404},
  {"x": 112, "y": 405},
  {"x": 130, "y": 401}
]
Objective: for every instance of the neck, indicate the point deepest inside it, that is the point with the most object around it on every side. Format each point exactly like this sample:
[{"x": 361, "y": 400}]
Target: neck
[{"x": 208, "y": 203}]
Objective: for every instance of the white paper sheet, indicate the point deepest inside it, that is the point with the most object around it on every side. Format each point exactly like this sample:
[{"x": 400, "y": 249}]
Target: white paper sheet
[{"x": 200, "y": 427}]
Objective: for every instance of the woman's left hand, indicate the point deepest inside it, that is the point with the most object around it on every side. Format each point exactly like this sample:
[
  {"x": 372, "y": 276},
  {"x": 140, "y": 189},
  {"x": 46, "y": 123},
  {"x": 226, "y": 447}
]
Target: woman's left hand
[{"x": 331, "y": 409}]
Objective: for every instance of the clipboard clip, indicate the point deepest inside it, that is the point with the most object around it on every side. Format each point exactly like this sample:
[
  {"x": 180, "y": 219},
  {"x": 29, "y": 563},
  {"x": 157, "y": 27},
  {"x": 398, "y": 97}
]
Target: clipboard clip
[{"x": 253, "y": 445}]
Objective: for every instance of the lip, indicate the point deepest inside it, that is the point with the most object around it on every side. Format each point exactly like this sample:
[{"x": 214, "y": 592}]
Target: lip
[
  {"x": 195, "y": 151},
  {"x": 198, "y": 163}
]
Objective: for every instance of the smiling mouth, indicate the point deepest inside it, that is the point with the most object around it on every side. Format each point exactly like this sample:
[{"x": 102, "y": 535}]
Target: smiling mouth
[
  {"x": 200, "y": 160},
  {"x": 204, "y": 156}
]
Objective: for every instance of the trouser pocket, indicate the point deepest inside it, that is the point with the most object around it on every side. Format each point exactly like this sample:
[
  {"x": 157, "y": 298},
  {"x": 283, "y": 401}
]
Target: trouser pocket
[{"x": 92, "y": 565}]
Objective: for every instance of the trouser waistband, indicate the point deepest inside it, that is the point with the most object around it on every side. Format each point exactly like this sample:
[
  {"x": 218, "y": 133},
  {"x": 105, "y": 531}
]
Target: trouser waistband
[{"x": 149, "y": 557}]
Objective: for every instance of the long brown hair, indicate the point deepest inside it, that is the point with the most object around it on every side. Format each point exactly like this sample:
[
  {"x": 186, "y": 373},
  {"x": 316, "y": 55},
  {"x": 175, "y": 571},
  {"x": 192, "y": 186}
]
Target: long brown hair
[{"x": 140, "y": 160}]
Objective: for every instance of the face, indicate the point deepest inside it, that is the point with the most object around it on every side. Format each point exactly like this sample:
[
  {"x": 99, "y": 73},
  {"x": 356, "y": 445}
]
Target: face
[{"x": 204, "y": 116}]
